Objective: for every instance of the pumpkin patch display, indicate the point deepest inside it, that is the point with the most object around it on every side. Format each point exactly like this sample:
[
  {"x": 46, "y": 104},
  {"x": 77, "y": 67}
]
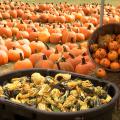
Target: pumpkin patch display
[{"x": 55, "y": 36}]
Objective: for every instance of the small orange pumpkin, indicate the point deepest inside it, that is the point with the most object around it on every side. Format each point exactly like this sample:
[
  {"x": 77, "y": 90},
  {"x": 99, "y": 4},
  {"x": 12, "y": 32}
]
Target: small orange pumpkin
[
  {"x": 113, "y": 45},
  {"x": 115, "y": 66},
  {"x": 39, "y": 46},
  {"x": 55, "y": 37},
  {"x": 84, "y": 67},
  {"x": 34, "y": 58},
  {"x": 100, "y": 53},
  {"x": 14, "y": 54},
  {"x": 23, "y": 64},
  {"x": 44, "y": 63},
  {"x": 105, "y": 62},
  {"x": 64, "y": 65},
  {"x": 101, "y": 73},
  {"x": 112, "y": 55},
  {"x": 26, "y": 50}
]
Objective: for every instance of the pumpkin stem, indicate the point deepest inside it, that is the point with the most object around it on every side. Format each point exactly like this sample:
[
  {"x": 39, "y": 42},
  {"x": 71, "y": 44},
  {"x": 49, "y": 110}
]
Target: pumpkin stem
[
  {"x": 62, "y": 59},
  {"x": 77, "y": 30},
  {"x": 21, "y": 21},
  {"x": 21, "y": 56},
  {"x": 5, "y": 25},
  {"x": 89, "y": 27},
  {"x": 71, "y": 55},
  {"x": 48, "y": 48},
  {"x": 60, "y": 25},
  {"x": 54, "y": 26},
  {"x": 58, "y": 65},
  {"x": 64, "y": 49},
  {"x": 14, "y": 48},
  {"x": 79, "y": 46},
  {"x": 11, "y": 18},
  {"x": 14, "y": 38},
  {"x": 34, "y": 29},
  {"x": 83, "y": 61},
  {"x": 72, "y": 39},
  {"x": 84, "y": 54},
  {"x": 56, "y": 51},
  {"x": 44, "y": 57}
]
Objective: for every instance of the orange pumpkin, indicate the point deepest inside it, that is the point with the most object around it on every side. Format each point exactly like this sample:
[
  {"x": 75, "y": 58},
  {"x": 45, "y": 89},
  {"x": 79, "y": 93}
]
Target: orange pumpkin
[
  {"x": 10, "y": 43},
  {"x": 44, "y": 63},
  {"x": 64, "y": 65},
  {"x": 55, "y": 37},
  {"x": 14, "y": 30},
  {"x": 100, "y": 53},
  {"x": 14, "y": 54},
  {"x": 113, "y": 45},
  {"x": 20, "y": 12},
  {"x": 48, "y": 50},
  {"x": 5, "y": 31},
  {"x": 101, "y": 73},
  {"x": 39, "y": 46},
  {"x": 34, "y": 58},
  {"x": 85, "y": 67},
  {"x": 23, "y": 64},
  {"x": 22, "y": 26},
  {"x": 33, "y": 36},
  {"x": 5, "y": 15},
  {"x": 115, "y": 66},
  {"x": 105, "y": 62},
  {"x": 44, "y": 36},
  {"x": 68, "y": 36},
  {"x": 55, "y": 56},
  {"x": 3, "y": 57},
  {"x": 2, "y": 47},
  {"x": 24, "y": 41},
  {"x": 74, "y": 60},
  {"x": 112, "y": 55},
  {"x": 26, "y": 50},
  {"x": 13, "y": 13},
  {"x": 22, "y": 34}
]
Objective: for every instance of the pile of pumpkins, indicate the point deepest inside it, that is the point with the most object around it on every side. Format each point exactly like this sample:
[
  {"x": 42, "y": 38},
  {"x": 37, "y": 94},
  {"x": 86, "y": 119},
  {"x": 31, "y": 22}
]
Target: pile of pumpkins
[{"x": 26, "y": 29}]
